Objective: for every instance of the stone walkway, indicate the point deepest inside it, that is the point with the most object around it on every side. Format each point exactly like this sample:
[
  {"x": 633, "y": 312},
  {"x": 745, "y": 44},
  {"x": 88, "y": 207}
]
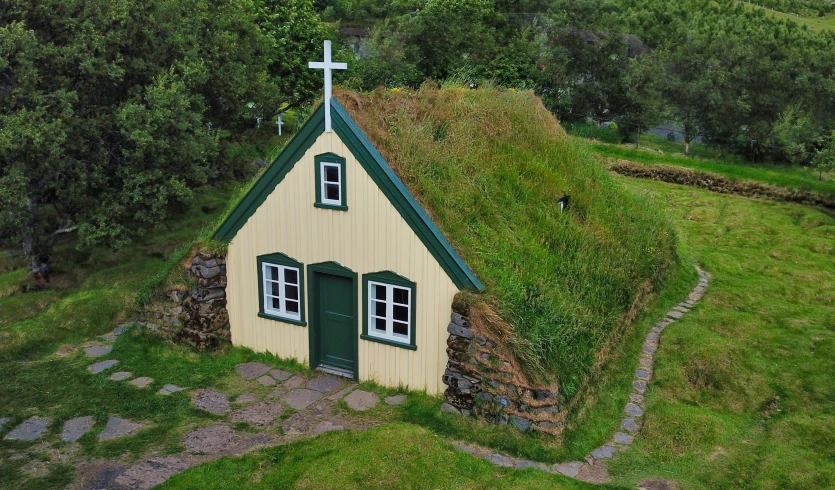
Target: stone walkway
[
  {"x": 311, "y": 401},
  {"x": 295, "y": 407},
  {"x": 593, "y": 468}
]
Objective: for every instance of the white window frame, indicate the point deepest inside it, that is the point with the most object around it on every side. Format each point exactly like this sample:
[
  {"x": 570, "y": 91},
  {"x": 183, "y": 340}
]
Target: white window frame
[
  {"x": 323, "y": 184},
  {"x": 389, "y": 334},
  {"x": 268, "y": 296}
]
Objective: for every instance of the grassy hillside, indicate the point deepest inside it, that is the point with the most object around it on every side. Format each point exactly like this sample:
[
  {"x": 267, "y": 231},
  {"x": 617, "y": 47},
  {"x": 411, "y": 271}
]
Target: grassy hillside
[
  {"x": 744, "y": 394},
  {"x": 489, "y": 166},
  {"x": 816, "y": 23}
]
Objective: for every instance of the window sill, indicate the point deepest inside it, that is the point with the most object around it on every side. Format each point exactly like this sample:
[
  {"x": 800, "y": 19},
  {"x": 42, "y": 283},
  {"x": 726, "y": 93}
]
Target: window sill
[
  {"x": 330, "y": 206},
  {"x": 388, "y": 342},
  {"x": 283, "y": 320}
]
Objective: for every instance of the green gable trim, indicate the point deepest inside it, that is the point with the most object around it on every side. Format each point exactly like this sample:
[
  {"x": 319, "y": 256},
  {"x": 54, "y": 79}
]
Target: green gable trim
[
  {"x": 275, "y": 173},
  {"x": 376, "y": 167},
  {"x": 388, "y": 277},
  {"x": 402, "y": 199},
  {"x": 280, "y": 259},
  {"x": 343, "y": 191}
]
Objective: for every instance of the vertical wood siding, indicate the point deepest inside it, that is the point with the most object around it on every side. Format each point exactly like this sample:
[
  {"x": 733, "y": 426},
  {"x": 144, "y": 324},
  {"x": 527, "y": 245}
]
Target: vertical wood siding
[{"x": 370, "y": 237}]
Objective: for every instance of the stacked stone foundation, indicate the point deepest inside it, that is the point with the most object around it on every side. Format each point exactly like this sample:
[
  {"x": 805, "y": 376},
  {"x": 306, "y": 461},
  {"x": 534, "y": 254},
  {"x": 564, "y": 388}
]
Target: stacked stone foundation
[
  {"x": 195, "y": 313},
  {"x": 485, "y": 381}
]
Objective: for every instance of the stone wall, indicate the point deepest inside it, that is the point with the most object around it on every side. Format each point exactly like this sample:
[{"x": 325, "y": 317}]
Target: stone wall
[
  {"x": 196, "y": 312},
  {"x": 719, "y": 183},
  {"x": 485, "y": 381}
]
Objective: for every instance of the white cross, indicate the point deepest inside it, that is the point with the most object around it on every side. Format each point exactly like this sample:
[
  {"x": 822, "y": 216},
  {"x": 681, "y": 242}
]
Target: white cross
[
  {"x": 279, "y": 123},
  {"x": 328, "y": 66}
]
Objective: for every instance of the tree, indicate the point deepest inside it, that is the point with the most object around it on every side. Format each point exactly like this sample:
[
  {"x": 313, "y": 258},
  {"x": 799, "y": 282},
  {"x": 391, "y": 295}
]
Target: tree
[
  {"x": 294, "y": 35},
  {"x": 824, "y": 160},
  {"x": 646, "y": 106},
  {"x": 110, "y": 111}
]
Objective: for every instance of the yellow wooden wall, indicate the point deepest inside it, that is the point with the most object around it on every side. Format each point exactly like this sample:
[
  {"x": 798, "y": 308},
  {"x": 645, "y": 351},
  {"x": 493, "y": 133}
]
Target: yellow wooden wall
[{"x": 370, "y": 237}]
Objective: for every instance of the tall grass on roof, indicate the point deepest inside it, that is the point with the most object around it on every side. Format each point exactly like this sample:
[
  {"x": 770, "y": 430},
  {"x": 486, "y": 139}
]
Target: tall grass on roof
[{"x": 489, "y": 166}]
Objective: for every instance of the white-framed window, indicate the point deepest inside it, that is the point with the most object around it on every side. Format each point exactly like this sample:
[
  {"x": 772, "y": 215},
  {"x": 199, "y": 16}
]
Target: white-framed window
[
  {"x": 282, "y": 291},
  {"x": 331, "y": 183},
  {"x": 390, "y": 312}
]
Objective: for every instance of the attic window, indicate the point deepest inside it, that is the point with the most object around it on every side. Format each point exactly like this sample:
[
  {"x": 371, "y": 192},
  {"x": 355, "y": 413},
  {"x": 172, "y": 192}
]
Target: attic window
[
  {"x": 390, "y": 309},
  {"x": 330, "y": 182}
]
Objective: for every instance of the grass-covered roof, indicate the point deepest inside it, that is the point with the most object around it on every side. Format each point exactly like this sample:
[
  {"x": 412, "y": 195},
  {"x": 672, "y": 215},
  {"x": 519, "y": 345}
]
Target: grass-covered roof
[{"x": 489, "y": 166}]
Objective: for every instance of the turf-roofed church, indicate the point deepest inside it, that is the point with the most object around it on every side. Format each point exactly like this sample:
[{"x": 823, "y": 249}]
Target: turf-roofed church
[{"x": 332, "y": 262}]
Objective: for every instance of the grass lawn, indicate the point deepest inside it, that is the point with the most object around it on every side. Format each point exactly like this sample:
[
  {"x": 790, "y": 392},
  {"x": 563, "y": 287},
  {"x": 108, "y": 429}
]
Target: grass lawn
[
  {"x": 744, "y": 395},
  {"x": 390, "y": 456}
]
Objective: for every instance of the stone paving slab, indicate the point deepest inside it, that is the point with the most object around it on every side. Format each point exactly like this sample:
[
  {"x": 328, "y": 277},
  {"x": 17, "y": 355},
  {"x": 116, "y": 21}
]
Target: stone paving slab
[
  {"x": 77, "y": 427},
  {"x": 169, "y": 388},
  {"x": 324, "y": 384},
  {"x": 29, "y": 430},
  {"x": 633, "y": 410},
  {"x": 122, "y": 329},
  {"x": 301, "y": 398},
  {"x": 622, "y": 438},
  {"x": 266, "y": 380},
  {"x": 210, "y": 440},
  {"x": 361, "y": 400},
  {"x": 296, "y": 381},
  {"x": 142, "y": 382},
  {"x": 569, "y": 469},
  {"x": 326, "y": 426},
  {"x": 245, "y": 398},
  {"x": 280, "y": 375},
  {"x": 261, "y": 414},
  {"x": 252, "y": 370},
  {"x": 118, "y": 427},
  {"x": 603, "y": 452},
  {"x": 344, "y": 391},
  {"x": 101, "y": 366},
  {"x": 152, "y": 472},
  {"x": 500, "y": 460},
  {"x": 629, "y": 425},
  {"x": 98, "y": 350},
  {"x": 395, "y": 400},
  {"x": 211, "y": 401},
  {"x": 110, "y": 337},
  {"x": 595, "y": 473},
  {"x": 121, "y": 375}
]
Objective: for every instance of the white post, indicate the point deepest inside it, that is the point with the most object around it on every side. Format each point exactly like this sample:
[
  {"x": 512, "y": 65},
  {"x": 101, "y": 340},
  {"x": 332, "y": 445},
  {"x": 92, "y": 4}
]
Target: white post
[
  {"x": 279, "y": 123},
  {"x": 328, "y": 66}
]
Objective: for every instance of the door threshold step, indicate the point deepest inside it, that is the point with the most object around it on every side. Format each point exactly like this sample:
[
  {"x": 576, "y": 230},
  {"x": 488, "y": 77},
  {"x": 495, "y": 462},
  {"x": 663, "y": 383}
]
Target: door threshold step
[{"x": 336, "y": 371}]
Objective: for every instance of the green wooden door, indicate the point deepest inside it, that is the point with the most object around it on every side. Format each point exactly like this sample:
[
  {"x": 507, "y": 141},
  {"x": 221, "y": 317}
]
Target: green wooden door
[{"x": 336, "y": 329}]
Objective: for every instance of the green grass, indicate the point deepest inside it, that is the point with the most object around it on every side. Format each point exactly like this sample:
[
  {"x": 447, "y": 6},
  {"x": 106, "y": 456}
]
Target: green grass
[
  {"x": 744, "y": 395},
  {"x": 92, "y": 291},
  {"x": 820, "y": 24},
  {"x": 791, "y": 177},
  {"x": 489, "y": 166},
  {"x": 390, "y": 456}
]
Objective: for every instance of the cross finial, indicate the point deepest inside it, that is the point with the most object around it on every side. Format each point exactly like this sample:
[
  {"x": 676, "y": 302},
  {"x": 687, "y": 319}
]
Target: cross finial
[{"x": 328, "y": 66}]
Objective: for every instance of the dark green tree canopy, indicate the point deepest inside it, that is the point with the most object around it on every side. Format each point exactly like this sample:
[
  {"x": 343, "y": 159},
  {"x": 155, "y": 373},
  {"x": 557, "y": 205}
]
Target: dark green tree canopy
[{"x": 110, "y": 110}]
